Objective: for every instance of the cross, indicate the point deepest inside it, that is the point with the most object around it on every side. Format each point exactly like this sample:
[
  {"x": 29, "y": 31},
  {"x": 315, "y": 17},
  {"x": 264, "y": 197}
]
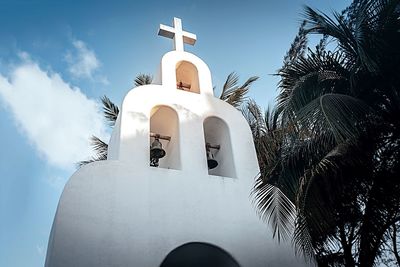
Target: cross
[{"x": 180, "y": 36}]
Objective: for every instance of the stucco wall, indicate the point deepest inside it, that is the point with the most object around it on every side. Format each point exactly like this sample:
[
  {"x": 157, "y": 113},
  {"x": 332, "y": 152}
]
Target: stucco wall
[{"x": 122, "y": 212}]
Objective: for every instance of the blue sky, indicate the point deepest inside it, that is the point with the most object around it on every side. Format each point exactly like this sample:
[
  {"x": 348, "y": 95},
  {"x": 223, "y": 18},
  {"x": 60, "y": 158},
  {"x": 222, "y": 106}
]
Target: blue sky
[{"x": 58, "y": 57}]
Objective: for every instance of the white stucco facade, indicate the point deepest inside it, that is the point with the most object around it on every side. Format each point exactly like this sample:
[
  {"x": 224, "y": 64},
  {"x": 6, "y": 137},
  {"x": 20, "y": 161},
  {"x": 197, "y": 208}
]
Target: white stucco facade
[{"x": 122, "y": 212}]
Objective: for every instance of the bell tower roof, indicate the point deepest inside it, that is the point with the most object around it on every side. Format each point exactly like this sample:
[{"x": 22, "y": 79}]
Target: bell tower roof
[{"x": 181, "y": 70}]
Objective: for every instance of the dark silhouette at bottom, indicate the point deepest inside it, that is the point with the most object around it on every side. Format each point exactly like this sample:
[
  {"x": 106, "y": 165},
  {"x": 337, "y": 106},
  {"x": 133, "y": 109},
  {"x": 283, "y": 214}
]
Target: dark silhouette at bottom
[{"x": 197, "y": 254}]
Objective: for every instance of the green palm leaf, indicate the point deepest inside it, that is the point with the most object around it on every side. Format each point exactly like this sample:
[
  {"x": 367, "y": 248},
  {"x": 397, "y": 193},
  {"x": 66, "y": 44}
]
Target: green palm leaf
[
  {"x": 100, "y": 148},
  {"x": 232, "y": 93},
  {"x": 274, "y": 208},
  {"x": 110, "y": 110},
  {"x": 143, "y": 79},
  {"x": 358, "y": 40},
  {"x": 254, "y": 116},
  {"x": 302, "y": 239},
  {"x": 334, "y": 114},
  {"x": 309, "y": 77}
]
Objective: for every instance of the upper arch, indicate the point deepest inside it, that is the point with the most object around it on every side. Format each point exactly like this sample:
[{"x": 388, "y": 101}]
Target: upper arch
[{"x": 170, "y": 62}]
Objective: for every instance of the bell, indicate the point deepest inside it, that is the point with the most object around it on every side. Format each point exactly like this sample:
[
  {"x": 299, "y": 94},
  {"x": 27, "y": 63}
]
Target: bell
[
  {"x": 211, "y": 162},
  {"x": 156, "y": 150}
]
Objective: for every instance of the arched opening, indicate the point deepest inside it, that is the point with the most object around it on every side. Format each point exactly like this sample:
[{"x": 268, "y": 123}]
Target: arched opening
[
  {"x": 216, "y": 135},
  {"x": 187, "y": 77},
  {"x": 197, "y": 254},
  {"x": 165, "y": 123}
]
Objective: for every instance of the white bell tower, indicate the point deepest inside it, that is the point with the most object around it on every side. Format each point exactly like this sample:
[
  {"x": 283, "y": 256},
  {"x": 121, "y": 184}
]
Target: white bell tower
[{"x": 135, "y": 209}]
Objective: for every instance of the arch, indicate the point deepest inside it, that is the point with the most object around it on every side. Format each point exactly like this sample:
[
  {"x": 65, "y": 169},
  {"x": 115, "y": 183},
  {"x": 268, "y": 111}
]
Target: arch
[
  {"x": 164, "y": 121},
  {"x": 198, "y": 254},
  {"x": 187, "y": 77},
  {"x": 216, "y": 132},
  {"x": 170, "y": 62}
]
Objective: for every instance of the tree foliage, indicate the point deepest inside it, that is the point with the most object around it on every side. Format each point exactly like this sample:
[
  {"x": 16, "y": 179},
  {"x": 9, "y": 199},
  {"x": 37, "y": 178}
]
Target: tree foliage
[{"x": 331, "y": 160}]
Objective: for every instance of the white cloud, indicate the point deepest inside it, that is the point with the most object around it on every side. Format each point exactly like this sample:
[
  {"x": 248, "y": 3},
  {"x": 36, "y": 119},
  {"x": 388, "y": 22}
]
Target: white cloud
[
  {"x": 58, "y": 119},
  {"x": 83, "y": 63}
]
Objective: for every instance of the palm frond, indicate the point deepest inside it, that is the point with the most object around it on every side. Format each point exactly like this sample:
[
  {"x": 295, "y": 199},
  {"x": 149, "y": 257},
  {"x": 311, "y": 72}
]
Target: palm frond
[
  {"x": 298, "y": 47},
  {"x": 254, "y": 116},
  {"x": 99, "y": 147},
  {"x": 143, "y": 79},
  {"x": 320, "y": 23},
  {"x": 335, "y": 114},
  {"x": 315, "y": 200},
  {"x": 230, "y": 83},
  {"x": 274, "y": 208},
  {"x": 232, "y": 93},
  {"x": 355, "y": 41},
  {"x": 110, "y": 110},
  {"x": 302, "y": 239},
  {"x": 310, "y": 77},
  {"x": 92, "y": 159},
  {"x": 271, "y": 119}
]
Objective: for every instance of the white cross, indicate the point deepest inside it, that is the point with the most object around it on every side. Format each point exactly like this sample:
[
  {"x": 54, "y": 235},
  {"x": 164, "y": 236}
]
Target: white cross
[{"x": 180, "y": 36}]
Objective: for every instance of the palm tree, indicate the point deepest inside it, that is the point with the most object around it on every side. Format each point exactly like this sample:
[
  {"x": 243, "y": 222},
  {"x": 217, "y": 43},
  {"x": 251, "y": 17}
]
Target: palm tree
[{"x": 333, "y": 158}]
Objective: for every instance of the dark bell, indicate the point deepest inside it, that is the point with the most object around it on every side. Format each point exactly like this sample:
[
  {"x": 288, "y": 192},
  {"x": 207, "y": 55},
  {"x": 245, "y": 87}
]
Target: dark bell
[
  {"x": 211, "y": 162},
  {"x": 156, "y": 150}
]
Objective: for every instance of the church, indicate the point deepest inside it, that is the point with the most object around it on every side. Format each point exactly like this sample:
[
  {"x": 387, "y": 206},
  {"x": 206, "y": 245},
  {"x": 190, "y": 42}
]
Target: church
[{"x": 175, "y": 188}]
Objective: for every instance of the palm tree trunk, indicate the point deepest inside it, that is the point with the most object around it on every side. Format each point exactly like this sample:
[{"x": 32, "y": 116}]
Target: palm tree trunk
[{"x": 348, "y": 257}]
